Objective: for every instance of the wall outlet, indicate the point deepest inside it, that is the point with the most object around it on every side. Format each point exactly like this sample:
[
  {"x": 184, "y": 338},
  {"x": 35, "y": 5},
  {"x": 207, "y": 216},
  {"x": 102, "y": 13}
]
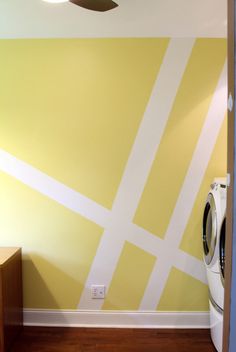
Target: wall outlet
[{"x": 97, "y": 291}]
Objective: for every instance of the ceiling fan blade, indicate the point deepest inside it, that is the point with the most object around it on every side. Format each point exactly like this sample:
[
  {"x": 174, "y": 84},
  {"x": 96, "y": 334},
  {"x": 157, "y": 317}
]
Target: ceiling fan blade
[{"x": 96, "y": 5}]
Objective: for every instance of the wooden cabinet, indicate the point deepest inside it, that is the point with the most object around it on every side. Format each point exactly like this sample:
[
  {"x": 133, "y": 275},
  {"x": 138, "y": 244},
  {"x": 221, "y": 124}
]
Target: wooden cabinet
[{"x": 11, "y": 313}]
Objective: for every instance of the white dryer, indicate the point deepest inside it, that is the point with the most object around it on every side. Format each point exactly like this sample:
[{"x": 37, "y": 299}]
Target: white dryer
[{"x": 213, "y": 218}]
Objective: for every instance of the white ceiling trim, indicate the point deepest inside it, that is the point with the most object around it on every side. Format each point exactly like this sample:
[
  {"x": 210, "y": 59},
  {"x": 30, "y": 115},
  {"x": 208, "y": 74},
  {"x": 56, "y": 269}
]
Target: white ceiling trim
[{"x": 133, "y": 18}]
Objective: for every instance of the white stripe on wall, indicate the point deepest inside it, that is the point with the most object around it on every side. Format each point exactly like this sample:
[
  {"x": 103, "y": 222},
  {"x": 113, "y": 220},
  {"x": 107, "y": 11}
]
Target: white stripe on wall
[
  {"x": 53, "y": 189},
  {"x": 139, "y": 164},
  {"x": 152, "y": 127},
  {"x": 118, "y": 222},
  {"x": 127, "y": 230},
  {"x": 188, "y": 192},
  {"x": 190, "y": 265}
]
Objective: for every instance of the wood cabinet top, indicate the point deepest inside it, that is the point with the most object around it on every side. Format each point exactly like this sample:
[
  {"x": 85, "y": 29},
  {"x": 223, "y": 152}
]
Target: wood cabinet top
[{"x": 6, "y": 253}]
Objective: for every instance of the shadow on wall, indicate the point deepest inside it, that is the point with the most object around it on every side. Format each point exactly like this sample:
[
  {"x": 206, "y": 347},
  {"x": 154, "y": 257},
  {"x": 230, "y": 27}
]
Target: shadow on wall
[{"x": 45, "y": 291}]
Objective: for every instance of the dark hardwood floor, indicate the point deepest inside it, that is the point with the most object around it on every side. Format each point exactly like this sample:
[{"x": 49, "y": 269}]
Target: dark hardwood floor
[{"x": 42, "y": 339}]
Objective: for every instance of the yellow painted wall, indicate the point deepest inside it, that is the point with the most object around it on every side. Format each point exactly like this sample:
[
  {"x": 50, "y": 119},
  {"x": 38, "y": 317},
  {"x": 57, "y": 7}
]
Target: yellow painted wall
[
  {"x": 71, "y": 109},
  {"x": 181, "y": 135},
  {"x": 66, "y": 105},
  {"x": 130, "y": 279}
]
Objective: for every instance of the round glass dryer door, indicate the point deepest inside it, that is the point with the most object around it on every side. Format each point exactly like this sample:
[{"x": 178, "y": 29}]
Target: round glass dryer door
[
  {"x": 222, "y": 250},
  {"x": 209, "y": 229}
]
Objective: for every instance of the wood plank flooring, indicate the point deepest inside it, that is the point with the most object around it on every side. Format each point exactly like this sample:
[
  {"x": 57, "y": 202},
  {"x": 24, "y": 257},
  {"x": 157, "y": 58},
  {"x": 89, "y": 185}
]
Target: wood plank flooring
[{"x": 42, "y": 339}]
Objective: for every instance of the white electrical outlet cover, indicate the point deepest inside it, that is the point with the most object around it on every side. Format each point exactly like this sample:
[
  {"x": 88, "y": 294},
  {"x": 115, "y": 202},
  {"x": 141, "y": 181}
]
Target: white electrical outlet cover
[{"x": 97, "y": 291}]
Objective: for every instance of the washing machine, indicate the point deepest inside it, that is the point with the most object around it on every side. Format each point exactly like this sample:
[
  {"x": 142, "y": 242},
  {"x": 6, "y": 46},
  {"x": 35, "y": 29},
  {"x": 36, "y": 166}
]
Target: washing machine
[{"x": 213, "y": 226}]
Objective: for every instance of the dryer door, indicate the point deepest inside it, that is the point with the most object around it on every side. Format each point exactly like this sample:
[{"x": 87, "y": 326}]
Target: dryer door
[
  {"x": 209, "y": 236},
  {"x": 222, "y": 251}
]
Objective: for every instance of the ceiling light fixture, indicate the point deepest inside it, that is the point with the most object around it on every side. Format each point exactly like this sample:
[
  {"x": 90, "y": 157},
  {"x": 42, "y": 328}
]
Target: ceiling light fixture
[{"x": 95, "y": 5}]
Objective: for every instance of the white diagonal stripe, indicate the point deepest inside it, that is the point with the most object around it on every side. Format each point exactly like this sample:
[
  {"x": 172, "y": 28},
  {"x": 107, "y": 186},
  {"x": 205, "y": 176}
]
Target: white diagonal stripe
[
  {"x": 53, "y": 189},
  {"x": 151, "y": 129},
  {"x": 140, "y": 160},
  {"x": 190, "y": 265},
  {"x": 127, "y": 231},
  {"x": 102, "y": 274},
  {"x": 118, "y": 222},
  {"x": 189, "y": 190},
  {"x": 199, "y": 161},
  {"x": 156, "y": 246}
]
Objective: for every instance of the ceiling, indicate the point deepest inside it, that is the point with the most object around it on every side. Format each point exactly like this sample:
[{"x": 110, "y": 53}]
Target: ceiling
[{"x": 133, "y": 18}]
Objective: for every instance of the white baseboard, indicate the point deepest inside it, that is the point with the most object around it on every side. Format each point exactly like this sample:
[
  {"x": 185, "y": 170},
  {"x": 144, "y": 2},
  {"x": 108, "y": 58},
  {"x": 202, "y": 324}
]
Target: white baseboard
[{"x": 116, "y": 319}]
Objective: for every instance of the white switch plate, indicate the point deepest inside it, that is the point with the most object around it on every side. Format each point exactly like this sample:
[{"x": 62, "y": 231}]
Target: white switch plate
[{"x": 97, "y": 291}]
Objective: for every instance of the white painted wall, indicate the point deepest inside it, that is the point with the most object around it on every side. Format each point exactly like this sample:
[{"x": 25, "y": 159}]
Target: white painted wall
[{"x": 133, "y": 18}]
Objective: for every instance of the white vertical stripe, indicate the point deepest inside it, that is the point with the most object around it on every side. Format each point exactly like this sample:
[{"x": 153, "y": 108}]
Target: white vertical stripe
[
  {"x": 189, "y": 190},
  {"x": 140, "y": 161}
]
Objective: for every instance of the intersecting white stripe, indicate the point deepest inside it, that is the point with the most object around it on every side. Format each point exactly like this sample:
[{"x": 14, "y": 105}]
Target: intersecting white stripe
[
  {"x": 74, "y": 201},
  {"x": 188, "y": 193},
  {"x": 139, "y": 165},
  {"x": 157, "y": 246},
  {"x": 118, "y": 222},
  {"x": 53, "y": 189}
]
